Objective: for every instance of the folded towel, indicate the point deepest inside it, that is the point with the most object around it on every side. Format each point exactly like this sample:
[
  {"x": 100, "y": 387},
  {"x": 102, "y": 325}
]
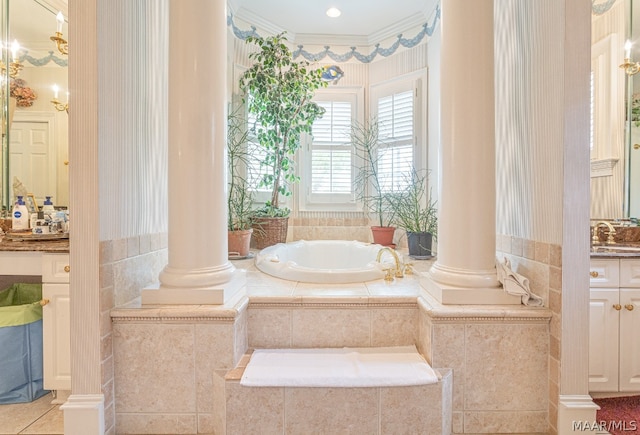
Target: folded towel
[
  {"x": 346, "y": 367},
  {"x": 516, "y": 284}
]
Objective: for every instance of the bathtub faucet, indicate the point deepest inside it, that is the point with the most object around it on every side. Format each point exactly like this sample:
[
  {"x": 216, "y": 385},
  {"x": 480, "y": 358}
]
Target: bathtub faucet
[{"x": 397, "y": 272}]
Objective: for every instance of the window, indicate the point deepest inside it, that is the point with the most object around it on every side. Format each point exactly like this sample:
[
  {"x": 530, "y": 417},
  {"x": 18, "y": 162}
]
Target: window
[
  {"x": 329, "y": 156},
  {"x": 395, "y": 155},
  {"x": 331, "y": 149}
]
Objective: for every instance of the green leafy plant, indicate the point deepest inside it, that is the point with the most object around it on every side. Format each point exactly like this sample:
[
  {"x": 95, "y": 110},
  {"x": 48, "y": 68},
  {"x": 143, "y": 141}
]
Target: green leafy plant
[
  {"x": 365, "y": 138},
  {"x": 279, "y": 92},
  {"x": 415, "y": 209},
  {"x": 239, "y": 193}
]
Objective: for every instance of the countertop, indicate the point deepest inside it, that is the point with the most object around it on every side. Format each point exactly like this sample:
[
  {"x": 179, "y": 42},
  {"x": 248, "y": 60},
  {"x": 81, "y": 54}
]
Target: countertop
[
  {"x": 56, "y": 246},
  {"x": 615, "y": 251}
]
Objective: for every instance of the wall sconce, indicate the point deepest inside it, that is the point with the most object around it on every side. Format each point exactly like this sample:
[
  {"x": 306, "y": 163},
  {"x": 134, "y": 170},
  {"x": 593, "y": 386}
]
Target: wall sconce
[
  {"x": 630, "y": 68},
  {"x": 61, "y": 43},
  {"x": 59, "y": 106},
  {"x": 14, "y": 66}
]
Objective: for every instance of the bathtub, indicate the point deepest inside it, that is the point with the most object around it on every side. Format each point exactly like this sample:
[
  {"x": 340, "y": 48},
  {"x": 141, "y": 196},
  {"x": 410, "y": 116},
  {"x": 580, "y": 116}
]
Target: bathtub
[{"x": 323, "y": 261}]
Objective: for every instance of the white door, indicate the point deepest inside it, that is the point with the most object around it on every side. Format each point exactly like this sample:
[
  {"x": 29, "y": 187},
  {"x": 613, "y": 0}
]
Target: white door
[
  {"x": 603, "y": 339},
  {"x": 32, "y": 158}
]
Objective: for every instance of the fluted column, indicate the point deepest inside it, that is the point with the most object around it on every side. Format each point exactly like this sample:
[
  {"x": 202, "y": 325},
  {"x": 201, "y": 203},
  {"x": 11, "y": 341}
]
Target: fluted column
[
  {"x": 465, "y": 269},
  {"x": 198, "y": 271}
]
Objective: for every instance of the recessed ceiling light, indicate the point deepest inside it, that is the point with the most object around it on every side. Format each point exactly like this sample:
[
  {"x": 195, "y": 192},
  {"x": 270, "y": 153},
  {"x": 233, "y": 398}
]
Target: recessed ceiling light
[{"x": 333, "y": 12}]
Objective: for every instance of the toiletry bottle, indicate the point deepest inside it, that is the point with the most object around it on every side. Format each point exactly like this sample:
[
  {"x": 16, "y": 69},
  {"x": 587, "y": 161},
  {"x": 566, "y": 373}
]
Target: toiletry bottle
[
  {"x": 20, "y": 215},
  {"x": 47, "y": 208}
]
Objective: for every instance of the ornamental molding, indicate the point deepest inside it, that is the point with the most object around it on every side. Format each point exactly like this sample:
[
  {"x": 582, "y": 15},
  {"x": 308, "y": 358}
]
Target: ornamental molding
[
  {"x": 42, "y": 61},
  {"x": 367, "y": 57}
]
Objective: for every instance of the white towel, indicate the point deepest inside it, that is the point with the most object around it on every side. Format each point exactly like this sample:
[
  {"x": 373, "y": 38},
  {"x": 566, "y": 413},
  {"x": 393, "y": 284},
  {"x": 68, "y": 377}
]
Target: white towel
[
  {"x": 516, "y": 284},
  {"x": 346, "y": 367}
]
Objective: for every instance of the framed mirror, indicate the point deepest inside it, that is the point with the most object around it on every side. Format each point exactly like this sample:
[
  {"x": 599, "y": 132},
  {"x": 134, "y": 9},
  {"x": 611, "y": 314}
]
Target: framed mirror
[{"x": 34, "y": 130}]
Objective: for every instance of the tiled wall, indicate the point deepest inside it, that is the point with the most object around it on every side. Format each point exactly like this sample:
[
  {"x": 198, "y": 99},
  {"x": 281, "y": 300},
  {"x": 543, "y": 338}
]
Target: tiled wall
[
  {"x": 126, "y": 266},
  {"x": 336, "y": 226},
  {"x": 498, "y": 362},
  {"x": 542, "y": 264}
]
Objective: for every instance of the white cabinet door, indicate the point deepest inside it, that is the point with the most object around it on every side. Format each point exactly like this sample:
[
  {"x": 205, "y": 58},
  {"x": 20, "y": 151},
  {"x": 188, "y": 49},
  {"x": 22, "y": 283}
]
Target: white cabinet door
[
  {"x": 56, "y": 321},
  {"x": 603, "y": 339},
  {"x": 630, "y": 340}
]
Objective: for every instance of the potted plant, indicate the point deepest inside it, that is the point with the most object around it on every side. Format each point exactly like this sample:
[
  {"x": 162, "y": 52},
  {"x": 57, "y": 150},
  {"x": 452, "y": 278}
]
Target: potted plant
[
  {"x": 278, "y": 92},
  {"x": 416, "y": 213},
  {"x": 365, "y": 138},
  {"x": 239, "y": 194}
]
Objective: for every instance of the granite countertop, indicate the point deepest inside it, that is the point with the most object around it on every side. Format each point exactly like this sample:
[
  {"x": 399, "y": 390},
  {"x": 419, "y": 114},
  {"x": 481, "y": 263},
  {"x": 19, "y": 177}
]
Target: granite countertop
[
  {"x": 616, "y": 250},
  {"x": 61, "y": 245}
]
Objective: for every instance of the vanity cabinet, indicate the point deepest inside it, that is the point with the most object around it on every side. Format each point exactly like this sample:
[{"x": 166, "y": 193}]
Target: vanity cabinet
[
  {"x": 614, "y": 322},
  {"x": 56, "y": 322}
]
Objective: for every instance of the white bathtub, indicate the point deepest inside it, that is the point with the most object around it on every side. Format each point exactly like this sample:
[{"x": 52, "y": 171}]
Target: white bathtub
[{"x": 323, "y": 261}]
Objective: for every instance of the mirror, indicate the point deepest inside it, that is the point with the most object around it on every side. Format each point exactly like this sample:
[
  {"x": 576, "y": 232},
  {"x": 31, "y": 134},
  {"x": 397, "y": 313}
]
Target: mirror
[
  {"x": 633, "y": 114},
  {"x": 35, "y": 133}
]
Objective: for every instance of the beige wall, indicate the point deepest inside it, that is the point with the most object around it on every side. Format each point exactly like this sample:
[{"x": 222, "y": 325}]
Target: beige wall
[{"x": 529, "y": 119}]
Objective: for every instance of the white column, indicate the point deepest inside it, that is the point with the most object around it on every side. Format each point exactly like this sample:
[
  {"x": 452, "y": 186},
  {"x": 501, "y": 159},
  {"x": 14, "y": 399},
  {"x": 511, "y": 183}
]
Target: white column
[
  {"x": 467, "y": 215},
  {"x": 198, "y": 271}
]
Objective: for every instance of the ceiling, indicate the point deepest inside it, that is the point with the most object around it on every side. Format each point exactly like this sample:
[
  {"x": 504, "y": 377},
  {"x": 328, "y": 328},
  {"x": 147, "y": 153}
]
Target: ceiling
[
  {"x": 362, "y": 21},
  {"x": 33, "y": 22}
]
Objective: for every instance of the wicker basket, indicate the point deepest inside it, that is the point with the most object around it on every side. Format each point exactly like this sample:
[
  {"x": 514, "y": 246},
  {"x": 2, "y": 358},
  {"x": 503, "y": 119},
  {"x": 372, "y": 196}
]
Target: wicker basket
[{"x": 269, "y": 230}]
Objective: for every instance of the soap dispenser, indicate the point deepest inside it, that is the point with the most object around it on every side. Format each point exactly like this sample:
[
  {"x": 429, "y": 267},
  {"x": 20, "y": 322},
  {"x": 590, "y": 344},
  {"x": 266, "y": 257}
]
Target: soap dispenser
[
  {"x": 20, "y": 215},
  {"x": 47, "y": 209}
]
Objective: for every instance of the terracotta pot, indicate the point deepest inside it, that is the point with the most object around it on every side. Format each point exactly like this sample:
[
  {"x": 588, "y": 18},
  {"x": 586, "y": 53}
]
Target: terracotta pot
[
  {"x": 383, "y": 235},
  {"x": 239, "y": 242}
]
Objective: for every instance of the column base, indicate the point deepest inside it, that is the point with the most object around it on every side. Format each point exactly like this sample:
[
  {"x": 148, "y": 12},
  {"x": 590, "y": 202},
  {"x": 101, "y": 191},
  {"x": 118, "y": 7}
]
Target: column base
[
  {"x": 577, "y": 414},
  {"x": 211, "y": 295},
  {"x": 452, "y": 295},
  {"x": 84, "y": 414}
]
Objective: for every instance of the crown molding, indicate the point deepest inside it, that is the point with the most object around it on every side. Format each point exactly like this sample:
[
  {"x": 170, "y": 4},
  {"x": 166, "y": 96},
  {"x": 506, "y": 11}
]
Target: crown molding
[
  {"x": 259, "y": 22},
  {"x": 392, "y": 31},
  {"x": 56, "y": 5}
]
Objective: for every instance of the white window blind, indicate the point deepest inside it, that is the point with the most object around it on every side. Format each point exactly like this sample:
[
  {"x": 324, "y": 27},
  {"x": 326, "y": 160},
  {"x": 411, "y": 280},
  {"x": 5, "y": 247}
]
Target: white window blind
[
  {"x": 331, "y": 151},
  {"x": 396, "y": 134}
]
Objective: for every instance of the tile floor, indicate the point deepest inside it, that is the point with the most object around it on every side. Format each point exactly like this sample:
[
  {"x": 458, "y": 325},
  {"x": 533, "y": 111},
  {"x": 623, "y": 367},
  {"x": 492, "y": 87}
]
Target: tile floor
[{"x": 37, "y": 417}]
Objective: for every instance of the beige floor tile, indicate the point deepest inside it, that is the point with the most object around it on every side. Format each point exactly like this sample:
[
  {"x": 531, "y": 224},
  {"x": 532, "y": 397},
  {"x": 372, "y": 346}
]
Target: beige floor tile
[
  {"x": 14, "y": 418},
  {"x": 52, "y": 423}
]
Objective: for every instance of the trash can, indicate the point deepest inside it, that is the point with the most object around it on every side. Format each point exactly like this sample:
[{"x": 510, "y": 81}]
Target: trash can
[{"x": 21, "y": 370}]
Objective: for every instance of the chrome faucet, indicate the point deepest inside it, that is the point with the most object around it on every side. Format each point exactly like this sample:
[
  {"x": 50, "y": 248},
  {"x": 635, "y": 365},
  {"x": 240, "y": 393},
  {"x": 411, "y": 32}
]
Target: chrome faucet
[
  {"x": 612, "y": 232},
  {"x": 397, "y": 272}
]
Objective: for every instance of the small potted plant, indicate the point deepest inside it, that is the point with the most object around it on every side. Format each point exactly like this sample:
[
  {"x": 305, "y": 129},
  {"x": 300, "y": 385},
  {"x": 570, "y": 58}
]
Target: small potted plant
[
  {"x": 365, "y": 138},
  {"x": 279, "y": 92},
  {"x": 416, "y": 213},
  {"x": 239, "y": 193}
]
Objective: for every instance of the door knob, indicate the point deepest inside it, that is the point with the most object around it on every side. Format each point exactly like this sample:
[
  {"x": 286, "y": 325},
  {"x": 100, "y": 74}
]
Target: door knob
[
  {"x": 67, "y": 269},
  {"x": 629, "y": 307},
  {"x": 617, "y": 307},
  {"x": 44, "y": 302},
  {"x": 593, "y": 273},
  {"x": 636, "y": 146}
]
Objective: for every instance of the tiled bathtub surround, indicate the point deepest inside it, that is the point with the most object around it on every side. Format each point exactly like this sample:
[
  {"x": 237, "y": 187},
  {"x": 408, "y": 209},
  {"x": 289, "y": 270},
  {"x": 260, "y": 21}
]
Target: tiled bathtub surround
[
  {"x": 542, "y": 264},
  {"x": 423, "y": 409},
  {"x": 335, "y": 226},
  {"x": 126, "y": 265},
  {"x": 498, "y": 355}
]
